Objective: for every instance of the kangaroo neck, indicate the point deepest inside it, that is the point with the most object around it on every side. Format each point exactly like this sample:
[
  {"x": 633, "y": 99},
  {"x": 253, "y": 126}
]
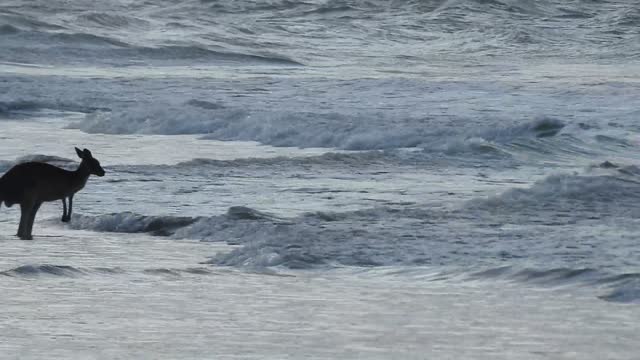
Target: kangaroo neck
[{"x": 82, "y": 173}]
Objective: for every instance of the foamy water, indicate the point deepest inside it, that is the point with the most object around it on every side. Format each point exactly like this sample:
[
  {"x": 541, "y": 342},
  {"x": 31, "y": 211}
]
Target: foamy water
[{"x": 448, "y": 179}]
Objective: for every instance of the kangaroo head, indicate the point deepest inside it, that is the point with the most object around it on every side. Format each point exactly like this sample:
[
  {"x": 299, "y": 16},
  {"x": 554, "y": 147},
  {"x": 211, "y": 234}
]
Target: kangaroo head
[{"x": 94, "y": 164}]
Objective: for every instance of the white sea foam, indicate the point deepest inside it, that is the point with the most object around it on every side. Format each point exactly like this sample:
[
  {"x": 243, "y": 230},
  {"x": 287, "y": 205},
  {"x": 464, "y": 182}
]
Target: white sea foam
[
  {"x": 611, "y": 195},
  {"x": 455, "y": 110},
  {"x": 365, "y": 239},
  {"x": 309, "y": 130},
  {"x": 389, "y": 236}
]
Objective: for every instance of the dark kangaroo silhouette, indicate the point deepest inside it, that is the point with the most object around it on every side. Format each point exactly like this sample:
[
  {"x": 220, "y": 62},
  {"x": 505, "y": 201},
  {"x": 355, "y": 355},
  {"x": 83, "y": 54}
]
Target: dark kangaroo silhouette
[{"x": 32, "y": 183}]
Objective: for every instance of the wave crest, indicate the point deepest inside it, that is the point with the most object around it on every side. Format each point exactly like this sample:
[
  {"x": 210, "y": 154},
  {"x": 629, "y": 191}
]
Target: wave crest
[
  {"x": 128, "y": 222},
  {"x": 623, "y": 288},
  {"x": 610, "y": 195},
  {"x": 44, "y": 269},
  {"x": 356, "y": 132}
]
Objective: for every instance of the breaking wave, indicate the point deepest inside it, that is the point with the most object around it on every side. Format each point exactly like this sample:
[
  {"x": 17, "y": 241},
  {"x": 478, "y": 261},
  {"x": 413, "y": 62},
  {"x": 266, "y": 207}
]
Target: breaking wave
[
  {"x": 268, "y": 240},
  {"x": 44, "y": 269},
  {"x": 97, "y": 39},
  {"x": 408, "y": 235},
  {"x": 611, "y": 195},
  {"x": 330, "y": 158},
  {"x": 8, "y": 107},
  {"x": 622, "y": 288},
  {"x": 128, "y": 222},
  {"x": 14, "y": 107},
  {"x": 415, "y": 238},
  {"x": 356, "y": 132},
  {"x": 66, "y": 271},
  {"x": 176, "y": 226},
  {"x": 627, "y": 292}
]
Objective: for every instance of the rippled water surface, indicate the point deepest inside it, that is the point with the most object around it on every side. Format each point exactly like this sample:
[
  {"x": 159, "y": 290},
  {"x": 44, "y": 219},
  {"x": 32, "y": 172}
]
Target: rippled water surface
[{"x": 325, "y": 179}]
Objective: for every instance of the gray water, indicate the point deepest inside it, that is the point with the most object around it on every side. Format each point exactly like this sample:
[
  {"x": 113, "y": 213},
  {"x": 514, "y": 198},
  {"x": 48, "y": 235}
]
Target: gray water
[{"x": 325, "y": 179}]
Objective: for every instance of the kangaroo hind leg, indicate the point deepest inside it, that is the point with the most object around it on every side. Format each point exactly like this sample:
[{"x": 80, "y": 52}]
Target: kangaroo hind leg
[
  {"x": 25, "y": 210},
  {"x": 32, "y": 217}
]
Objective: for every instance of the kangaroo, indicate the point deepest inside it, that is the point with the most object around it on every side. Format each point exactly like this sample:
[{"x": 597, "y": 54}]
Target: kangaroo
[{"x": 32, "y": 183}]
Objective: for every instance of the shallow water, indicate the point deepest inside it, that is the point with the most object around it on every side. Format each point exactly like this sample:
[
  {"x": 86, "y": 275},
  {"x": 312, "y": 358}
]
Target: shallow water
[
  {"x": 110, "y": 301},
  {"x": 342, "y": 179},
  {"x": 85, "y": 293}
]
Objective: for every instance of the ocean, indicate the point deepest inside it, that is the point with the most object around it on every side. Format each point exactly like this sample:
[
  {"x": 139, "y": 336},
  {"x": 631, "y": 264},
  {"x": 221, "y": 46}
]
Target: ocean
[{"x": 325, "y": 179}]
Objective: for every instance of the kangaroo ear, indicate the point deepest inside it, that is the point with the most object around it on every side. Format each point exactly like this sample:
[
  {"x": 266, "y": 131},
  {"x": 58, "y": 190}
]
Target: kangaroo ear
[
  {"x": 87, "y": 153},
  {"x": 80, "y": 154}
]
